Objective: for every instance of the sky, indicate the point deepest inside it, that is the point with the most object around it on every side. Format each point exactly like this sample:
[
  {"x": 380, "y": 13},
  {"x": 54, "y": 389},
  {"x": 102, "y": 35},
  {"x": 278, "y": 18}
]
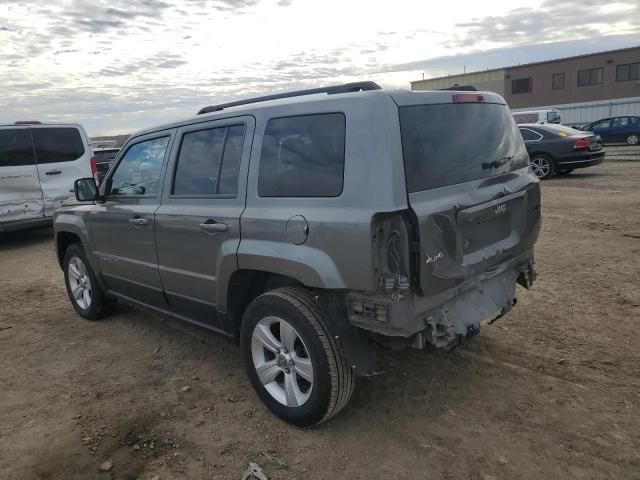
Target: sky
[{"x": 115, "y": 66}]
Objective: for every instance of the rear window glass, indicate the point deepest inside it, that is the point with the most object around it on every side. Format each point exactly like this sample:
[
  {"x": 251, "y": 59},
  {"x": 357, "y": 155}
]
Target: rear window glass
[
  {"x": 16, "y": 148},
  {"x": 105, "y": 156},
  {"x": 303, "y": 156},
  {"x": 55, "y": 145},
  {"x": 208, "y": 161},
  {"x": 563, "y": 131},
  {"x": 451, "y": 143}
]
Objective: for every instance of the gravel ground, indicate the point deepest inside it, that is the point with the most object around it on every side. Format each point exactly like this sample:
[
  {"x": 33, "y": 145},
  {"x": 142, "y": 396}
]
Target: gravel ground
[{"x": 550, "y": 391}]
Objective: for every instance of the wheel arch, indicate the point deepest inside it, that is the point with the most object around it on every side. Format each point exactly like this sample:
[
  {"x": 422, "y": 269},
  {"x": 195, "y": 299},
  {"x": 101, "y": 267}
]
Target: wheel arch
[{"x": 243, "y": 286}]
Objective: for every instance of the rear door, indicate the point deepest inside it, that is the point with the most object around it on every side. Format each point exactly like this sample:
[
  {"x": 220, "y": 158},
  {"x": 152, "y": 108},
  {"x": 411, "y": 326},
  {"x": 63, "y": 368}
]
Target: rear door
[
  {"x": 63, "y": 155},
  {"x": 469, "y": 187},
  {"x": 198, "y": 223},
  {"x": 20, "y": 193}
]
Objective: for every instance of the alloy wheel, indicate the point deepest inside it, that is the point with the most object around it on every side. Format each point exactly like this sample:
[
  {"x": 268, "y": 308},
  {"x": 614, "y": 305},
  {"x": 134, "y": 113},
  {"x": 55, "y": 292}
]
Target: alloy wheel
[
  {"x": 282, "y": 361},
  {"x": 633, "y": 139},
  {"x": 79, "y": 282},
  {"x": 540, "y": 167}
]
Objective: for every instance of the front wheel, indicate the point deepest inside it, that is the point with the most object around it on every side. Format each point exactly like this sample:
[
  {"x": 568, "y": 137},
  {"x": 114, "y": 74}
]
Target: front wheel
[
  {"x": 542, "y": 166},
  {"x": 633, "y": 139},
  {"x": 292, "y": 359},
  {"x": 83, "y": 289}
]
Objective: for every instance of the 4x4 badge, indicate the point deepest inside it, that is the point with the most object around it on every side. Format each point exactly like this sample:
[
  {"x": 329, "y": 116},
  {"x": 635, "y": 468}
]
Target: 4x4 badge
[{"x": 501, "y": 209}]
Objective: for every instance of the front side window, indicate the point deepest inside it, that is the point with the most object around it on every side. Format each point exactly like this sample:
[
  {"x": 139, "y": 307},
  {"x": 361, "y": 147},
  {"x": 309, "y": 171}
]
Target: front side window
[
  {"x": 16, "y": 148},
  {"x": 208, "y": 161},
  {"x": 620, "y": 122},
  {"x": 303, "y": 156},
  {"x": 592, "y": 76},
  {"x": 600, "y": 125},
  {"x": 57, "y": 144},
  {"x": 138, "y": 173}
]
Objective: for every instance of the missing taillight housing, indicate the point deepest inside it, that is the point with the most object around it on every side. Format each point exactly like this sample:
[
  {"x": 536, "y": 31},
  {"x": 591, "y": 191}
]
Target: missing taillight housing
[
  {"x": 94, "y": 169},
  {"x": 582, "y": 143},
  {"x": 467, "y": 98}
]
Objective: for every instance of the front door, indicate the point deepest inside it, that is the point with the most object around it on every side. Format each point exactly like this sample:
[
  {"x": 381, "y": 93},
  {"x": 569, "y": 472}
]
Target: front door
[
  {"x": 198, "y": 223},
  {"x": 20, "y": 193},
  {"x": 122, "y": 226}
]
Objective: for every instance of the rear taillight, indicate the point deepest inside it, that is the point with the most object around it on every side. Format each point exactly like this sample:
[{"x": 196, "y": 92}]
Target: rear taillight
[
  {"x": 94, "y": 169},
  {"x": 581, "y": 143},
  {"x": 28, "y": 122},
  {"x": 467, "y": 98}
]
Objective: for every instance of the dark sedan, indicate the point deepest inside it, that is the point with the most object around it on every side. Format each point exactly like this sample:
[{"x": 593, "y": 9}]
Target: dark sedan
[
  {"x": 560, "y": 150},
  {"x": 617, "y": 129}
]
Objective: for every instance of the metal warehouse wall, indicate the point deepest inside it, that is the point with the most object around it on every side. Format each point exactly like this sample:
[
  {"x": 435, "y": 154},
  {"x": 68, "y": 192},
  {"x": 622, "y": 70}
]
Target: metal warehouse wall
[{"x": 591, "y": 111}]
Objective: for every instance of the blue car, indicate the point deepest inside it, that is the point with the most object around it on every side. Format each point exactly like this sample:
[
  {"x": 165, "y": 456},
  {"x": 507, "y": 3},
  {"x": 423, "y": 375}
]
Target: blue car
[{"x": 617, "y": 129}]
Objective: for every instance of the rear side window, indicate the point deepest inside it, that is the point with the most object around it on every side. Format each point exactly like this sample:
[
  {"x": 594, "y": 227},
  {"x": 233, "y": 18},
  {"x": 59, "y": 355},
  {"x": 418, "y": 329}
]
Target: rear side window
[
  {"x": 55, "y": 145},
  {"x": 208, "y": 161},
  {"x": 529, "y": 135},
  {"x": 303, "y": 156},
  {"x": 446, "y": 144},
  {"x": 16, "y": 148}
]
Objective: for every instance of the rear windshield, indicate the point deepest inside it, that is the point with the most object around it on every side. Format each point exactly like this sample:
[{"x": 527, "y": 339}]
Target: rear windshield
[
  {"x": 103, "y": 156},
  {"x": 454, "y": 143},
  {"x": 59, "y": 144},
  {"x": 563, "y": 131}
]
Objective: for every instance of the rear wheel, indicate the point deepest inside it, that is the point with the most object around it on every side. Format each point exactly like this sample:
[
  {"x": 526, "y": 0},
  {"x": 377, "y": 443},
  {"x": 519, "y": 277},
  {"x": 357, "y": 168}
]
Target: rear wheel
[
  {"x": 292, "y": 359},
  {"x": 83, "y": 289},
  {"x": 633, "y": 139},
  {"x": 541, "y": 165}
]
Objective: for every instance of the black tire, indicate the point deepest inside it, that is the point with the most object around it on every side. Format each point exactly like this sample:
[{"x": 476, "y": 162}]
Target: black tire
[
  {"x": 333, "y": 379},
  {"x": 564, "y": 172},
  {"x": 633, "y": 139},
  {"x": 543, "y": 160},
  {"x": 99, "y": 305}
]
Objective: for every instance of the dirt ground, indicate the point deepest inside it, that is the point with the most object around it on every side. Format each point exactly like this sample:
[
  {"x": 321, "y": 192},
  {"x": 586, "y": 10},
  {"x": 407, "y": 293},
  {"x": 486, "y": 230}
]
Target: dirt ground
[{"x": 552, "y": 391}]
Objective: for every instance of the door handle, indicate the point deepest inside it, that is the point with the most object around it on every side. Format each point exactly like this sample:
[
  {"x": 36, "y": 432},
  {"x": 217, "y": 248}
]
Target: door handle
[
  {"x": 213, "y": 226},
  {"x": 53, "y": 172},
  {"x": 139, "y": 221}
]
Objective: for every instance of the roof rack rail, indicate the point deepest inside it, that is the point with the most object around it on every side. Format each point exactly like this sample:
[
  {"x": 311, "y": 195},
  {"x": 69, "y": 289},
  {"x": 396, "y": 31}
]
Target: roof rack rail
[{"x": 335, "y": 89}]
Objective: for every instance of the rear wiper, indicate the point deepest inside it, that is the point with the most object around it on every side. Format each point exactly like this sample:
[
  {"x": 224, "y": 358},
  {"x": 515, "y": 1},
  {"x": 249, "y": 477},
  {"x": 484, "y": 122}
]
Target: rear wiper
[{"x": 496, "y": 163}]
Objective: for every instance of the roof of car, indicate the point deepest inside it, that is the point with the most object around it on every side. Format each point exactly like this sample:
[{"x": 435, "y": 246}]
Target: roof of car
[{"x": 400, "y": 97}]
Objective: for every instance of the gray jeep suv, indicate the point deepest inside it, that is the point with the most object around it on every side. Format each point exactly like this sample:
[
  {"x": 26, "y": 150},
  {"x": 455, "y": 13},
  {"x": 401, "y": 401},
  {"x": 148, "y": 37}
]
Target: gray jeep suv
[{"x": 313, "y": 228}]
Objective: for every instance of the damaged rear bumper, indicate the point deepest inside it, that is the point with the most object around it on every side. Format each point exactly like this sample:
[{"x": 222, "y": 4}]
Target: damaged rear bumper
[{"x": 448, "y": 316}]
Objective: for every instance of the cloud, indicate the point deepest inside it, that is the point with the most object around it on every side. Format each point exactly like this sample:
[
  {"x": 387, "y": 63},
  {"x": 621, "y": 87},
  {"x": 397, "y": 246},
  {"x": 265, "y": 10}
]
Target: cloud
[
  {"x": 162, "y": 60},
  {"x": 510, "y": 56},
  {"x": 551, "y": 21}
]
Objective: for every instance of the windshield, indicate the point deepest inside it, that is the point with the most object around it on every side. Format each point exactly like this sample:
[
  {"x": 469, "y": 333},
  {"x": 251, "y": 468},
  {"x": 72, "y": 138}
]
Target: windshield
[{"x": 454, "y": 143}]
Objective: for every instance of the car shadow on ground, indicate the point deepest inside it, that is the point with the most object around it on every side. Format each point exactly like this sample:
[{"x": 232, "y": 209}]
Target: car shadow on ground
[
  {"x": 573, "y": 176},
  {"x": 25, "y": 238}
]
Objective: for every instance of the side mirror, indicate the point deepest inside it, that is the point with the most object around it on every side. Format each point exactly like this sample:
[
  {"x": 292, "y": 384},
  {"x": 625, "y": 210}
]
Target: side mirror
[{"x": 85, "y": 189}]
